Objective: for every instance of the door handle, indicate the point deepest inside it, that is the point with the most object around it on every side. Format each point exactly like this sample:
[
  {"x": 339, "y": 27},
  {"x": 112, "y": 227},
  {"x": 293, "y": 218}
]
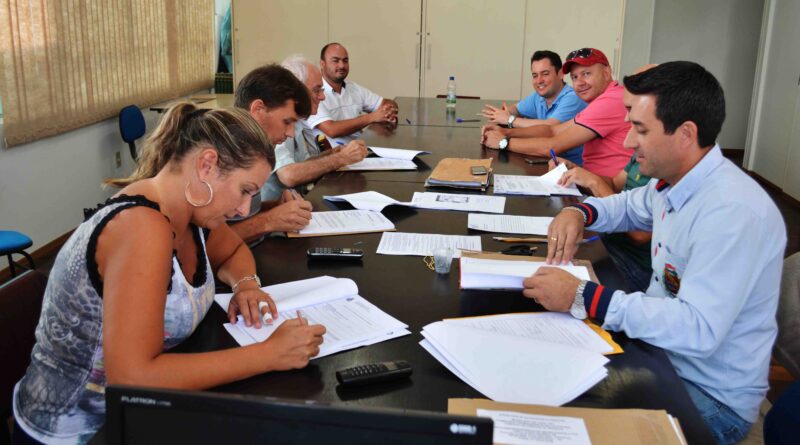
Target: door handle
[{"x": 429, "y": 56}]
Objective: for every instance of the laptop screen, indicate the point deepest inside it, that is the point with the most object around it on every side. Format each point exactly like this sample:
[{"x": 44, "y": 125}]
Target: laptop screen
[{"x": 146, "y": 416}]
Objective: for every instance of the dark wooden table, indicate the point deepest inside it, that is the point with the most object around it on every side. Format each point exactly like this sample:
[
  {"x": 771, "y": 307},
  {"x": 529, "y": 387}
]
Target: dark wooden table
[
  {"x": 428, "y": 111},
  {"x": 442, "y": 142},
  {"x": 404, "y": 287}
]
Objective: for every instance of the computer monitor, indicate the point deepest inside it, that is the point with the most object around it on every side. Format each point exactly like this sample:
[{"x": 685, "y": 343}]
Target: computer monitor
[{"x": 145, "y": 416}]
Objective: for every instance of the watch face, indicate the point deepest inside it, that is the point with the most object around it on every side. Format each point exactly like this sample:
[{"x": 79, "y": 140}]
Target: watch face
[
  {"x": 502, "y": 144},
  {"x": 578, "y": 312}
]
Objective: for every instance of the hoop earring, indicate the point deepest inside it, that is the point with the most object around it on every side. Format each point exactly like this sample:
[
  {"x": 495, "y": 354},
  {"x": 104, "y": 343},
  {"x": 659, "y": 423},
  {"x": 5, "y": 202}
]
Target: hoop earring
[{"x": 194, "y": 204}]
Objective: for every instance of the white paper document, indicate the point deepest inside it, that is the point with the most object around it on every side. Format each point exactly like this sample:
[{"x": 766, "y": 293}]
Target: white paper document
[
  {"x": 515, "y": 428},
  {"x": 369, "y": 200},
  {"x": 483, "y": 273},
  {"x": 553, "y": 327},
  {"x": 529, "y": 225},
  {"x": 381, "y": 164},
  {"x": 453, "y": 201},
  {"x": 397, "y": 153},
  {"x": 376, "y": 202},
  {"x": 351, "y": 321},
  {"x": 423, "y": 244},
  {"x": 513, "y": 369},
  {"x": 346, "y": 221},
  {"x": 544, "y": 185}
]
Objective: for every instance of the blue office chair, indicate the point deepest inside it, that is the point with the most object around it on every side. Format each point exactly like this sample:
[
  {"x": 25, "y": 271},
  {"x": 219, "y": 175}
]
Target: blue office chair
[
  {"x": 12, "y": 242},
  {"x": 131, "y": 127}
]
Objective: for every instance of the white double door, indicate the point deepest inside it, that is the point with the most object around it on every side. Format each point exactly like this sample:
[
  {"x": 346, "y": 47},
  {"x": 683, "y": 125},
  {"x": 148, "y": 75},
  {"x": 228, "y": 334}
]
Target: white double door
[{"x": 411, "y": 47}]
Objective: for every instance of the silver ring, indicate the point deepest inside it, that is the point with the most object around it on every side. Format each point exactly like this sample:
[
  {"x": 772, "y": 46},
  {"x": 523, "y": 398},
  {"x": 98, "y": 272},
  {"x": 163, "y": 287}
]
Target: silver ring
[
  {"x": 553, "y": 239},
  {"x": 262, "y": 305}
]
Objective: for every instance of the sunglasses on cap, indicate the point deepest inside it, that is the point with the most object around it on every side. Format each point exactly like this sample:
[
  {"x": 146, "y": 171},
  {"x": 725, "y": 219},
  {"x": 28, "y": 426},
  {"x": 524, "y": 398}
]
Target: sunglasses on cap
[{"x": 580, "y": 54}]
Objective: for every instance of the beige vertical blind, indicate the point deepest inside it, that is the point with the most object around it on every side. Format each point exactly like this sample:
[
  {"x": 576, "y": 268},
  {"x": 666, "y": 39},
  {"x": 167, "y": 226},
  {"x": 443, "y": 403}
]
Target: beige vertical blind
[{"x": 65, "y": 64}]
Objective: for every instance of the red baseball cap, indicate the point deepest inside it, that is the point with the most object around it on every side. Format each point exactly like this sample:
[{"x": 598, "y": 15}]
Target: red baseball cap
[{"x": 585, "y": 57}]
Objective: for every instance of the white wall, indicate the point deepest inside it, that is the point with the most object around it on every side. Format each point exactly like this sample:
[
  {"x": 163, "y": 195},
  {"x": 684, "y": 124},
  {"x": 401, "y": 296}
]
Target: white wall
[
  {"x": 636, "y": 36},
  {"x": 721, "y": 35},
  {"x": 45, "y": 185}
]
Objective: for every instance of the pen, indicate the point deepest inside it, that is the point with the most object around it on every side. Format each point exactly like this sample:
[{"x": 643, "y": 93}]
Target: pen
[
  {"x": 408, "y": 121},
  {"x": 300, "y": 318},
  {"x": 553, "y": 155},
  {"x": 459, "y": 120},
  {"x": 504, "y": 239},
  {"x": 294, "y": 193},
  {"x": 535, "y": 161},
  {"x": 519, "y": 240}
]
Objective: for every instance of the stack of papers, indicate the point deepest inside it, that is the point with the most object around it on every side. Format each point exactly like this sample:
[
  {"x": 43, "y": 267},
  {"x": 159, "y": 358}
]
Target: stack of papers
[
  {"x": 545, "y": 185},
  {"x": 423, "y": 244},
  {"x": 350, "y": 320},
  {"x": 344, "y": 222},
  {"x": 388, "y": 159},
  {"x": 518, "y": 364},
  {"x": 485, "y": 273},
  {"x": 531, "y": 225},
  {"x": 535, "y": 424},
  {"x": 439, "y": 201}
]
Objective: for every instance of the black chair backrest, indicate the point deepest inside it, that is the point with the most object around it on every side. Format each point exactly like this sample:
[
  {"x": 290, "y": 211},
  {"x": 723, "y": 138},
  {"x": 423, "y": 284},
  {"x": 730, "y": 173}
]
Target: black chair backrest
[
  {"x": 20, "y": 307},
  {"x": 131, "y": 126}
]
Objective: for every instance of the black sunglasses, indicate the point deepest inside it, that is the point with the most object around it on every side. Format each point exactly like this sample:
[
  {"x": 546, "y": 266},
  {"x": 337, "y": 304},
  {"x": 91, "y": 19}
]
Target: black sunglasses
[{"x": 580, "y": 54}]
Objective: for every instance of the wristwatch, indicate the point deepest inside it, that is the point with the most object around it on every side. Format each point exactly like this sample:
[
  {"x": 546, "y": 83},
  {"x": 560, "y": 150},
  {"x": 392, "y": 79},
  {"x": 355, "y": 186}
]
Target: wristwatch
[
  {"x": 511, "y": 119},
  {"x": 503, "y": 144},
  {"x": 578, "y": 310}
]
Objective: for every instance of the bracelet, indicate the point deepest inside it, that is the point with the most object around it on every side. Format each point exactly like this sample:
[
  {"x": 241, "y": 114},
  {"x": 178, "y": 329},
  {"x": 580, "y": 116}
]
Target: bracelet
[
  {"x": 583, "y": 214},
  {"x": 253, "y": 277}
]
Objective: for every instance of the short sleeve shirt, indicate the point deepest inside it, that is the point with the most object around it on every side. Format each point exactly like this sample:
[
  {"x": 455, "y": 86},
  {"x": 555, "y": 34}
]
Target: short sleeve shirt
[
  {"x": 294, "y": 149},
  {"x": 565, "y": 106},
  {"x": 605, "y": 117},
  {"x": 350, "y": 103}
]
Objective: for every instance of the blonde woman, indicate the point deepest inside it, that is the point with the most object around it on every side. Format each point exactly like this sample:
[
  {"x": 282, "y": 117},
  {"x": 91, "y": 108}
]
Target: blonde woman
[{"x": 137, "y": 277}]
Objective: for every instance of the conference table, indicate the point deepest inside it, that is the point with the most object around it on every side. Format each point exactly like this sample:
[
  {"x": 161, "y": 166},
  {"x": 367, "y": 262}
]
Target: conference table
[{"x": 403, "y": 286}]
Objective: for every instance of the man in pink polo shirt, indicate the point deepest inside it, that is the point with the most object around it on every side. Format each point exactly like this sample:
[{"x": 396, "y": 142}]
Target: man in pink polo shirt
[{"x": 600, "y": 127}]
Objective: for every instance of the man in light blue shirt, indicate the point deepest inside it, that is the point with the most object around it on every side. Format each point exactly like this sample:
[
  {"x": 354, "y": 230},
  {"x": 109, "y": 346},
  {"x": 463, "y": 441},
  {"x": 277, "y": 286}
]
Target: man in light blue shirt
[
  {"x": 552, "y": 102},
  {"x": 717, "y": 250}
]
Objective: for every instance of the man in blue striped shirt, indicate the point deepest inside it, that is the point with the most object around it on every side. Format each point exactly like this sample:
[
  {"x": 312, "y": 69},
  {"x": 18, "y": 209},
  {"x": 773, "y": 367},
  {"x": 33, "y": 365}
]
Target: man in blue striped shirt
[{"x": 717, "y": 250}]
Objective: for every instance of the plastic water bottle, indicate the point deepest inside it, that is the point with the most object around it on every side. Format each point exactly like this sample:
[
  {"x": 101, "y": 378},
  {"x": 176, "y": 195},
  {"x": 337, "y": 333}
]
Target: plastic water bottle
[{"x": 451, "y": 92}]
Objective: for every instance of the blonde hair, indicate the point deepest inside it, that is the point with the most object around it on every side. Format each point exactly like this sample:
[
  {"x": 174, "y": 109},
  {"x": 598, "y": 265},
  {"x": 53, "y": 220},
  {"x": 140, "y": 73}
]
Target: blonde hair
[{"x": 236, "y": 136}]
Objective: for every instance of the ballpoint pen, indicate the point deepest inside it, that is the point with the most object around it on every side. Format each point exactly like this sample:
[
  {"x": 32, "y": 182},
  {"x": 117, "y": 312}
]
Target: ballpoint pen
[
  {"x": 459, "y": 120},
  {"x": 294, "y": 193},
  {"x": 408, "y": 121},
  {"x": 553, "y": 155},
  {"x": 505, "y": 239}
]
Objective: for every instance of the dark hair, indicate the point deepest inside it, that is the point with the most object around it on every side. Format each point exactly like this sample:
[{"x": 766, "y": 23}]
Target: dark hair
[
  {"x": 274, "y": 85},
  {"x": 684, "y": 91},
  {"x": 325, "y": 49},
  {"x": 232, "y": 132},
  {"x": 555, "y": 59}
]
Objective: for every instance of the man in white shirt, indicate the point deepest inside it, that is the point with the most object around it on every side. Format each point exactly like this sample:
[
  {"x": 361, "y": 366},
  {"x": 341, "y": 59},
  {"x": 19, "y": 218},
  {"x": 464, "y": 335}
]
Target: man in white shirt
[{"x": 340, "y": 116}]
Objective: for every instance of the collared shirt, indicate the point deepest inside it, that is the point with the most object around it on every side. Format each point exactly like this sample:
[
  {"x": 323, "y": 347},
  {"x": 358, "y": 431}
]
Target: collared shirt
[
  {"x": 350, "y": 103},
  {"x": 605, "y": 117},
  {"x": 295, "y": 149},
  {"x": 717, "y": 255},
  {"x": 564, "y": 107}
]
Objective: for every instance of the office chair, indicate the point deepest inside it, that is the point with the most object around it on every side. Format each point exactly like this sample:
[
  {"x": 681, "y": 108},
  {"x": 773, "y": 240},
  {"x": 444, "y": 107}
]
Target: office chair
[
  {"x": 12, "y": 242},
  {"x": 131, "y": 127},
  {"x": 20, "y": 307},
  {"x": 782, "y": 424}
]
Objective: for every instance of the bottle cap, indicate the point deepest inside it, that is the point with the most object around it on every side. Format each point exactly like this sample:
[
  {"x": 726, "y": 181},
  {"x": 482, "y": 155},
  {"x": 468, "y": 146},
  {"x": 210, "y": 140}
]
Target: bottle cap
[{"x": 452, "y": 77}]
